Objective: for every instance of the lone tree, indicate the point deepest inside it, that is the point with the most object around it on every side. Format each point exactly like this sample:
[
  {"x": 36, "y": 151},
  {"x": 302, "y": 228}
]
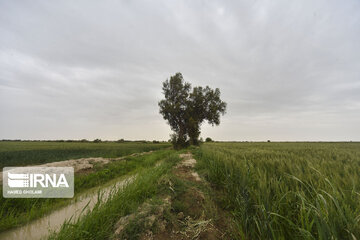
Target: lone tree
[{"x": 186, "y": 108}]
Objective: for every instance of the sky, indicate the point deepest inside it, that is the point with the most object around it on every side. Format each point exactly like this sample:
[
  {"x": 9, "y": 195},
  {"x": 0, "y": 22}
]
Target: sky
[{"x": 288, "y": 70}]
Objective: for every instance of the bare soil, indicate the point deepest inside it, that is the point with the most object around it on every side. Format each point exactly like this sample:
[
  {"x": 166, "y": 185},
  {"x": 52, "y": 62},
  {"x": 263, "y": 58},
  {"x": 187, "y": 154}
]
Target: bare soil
[{"x": 83, "y": 165}]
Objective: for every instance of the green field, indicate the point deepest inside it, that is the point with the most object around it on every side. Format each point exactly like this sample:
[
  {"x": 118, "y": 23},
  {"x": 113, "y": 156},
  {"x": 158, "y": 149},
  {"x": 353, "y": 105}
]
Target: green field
[
  {"x": 287, "y": 190},
  {"x": 250, "y": 190},
  {"x": 27, "y": 153}
]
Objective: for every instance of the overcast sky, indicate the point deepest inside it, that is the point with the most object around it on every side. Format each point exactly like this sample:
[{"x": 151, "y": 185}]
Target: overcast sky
[{"x": 289, "y": 70}]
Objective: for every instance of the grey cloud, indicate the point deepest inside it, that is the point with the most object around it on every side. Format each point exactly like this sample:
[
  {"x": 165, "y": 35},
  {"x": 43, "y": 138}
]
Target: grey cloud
[{"x": 288, "y": 70}]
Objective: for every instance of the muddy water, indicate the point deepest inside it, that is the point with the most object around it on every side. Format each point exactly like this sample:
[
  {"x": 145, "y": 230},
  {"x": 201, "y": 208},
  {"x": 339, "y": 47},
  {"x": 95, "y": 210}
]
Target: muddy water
[{"x": 40, "y": 228}]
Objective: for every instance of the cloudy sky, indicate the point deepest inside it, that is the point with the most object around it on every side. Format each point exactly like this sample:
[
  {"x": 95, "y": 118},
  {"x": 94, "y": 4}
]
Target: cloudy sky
[{"x": 289, "y": 70}]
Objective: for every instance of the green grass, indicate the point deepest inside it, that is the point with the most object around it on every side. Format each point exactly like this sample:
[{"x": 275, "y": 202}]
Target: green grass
[
  {"x": 14, "y": 212},
  {"x": 99, "y": 223},
  {"x": 286, "y": 190},
  {"x": 29, "y": 153}
]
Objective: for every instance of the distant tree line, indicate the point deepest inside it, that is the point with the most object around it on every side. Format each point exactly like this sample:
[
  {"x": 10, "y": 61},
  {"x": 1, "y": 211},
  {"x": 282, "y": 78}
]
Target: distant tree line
[{"x": 97, "y": 140}]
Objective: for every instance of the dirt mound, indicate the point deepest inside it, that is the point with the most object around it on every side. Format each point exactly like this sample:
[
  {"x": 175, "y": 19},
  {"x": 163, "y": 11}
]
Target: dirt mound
[
  {"x": 83, "y": 165},
  {"x": 148, "y": 217},
  {"x": 185, "y": 168}
]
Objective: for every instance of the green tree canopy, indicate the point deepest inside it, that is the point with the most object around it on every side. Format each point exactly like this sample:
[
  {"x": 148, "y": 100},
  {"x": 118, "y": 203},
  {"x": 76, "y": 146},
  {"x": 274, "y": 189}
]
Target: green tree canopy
[{"x": 186, "y": 108}]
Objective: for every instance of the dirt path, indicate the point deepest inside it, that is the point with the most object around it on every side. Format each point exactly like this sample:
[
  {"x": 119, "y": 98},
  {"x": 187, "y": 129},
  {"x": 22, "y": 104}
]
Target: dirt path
[{"x": 182, "y": 211}]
